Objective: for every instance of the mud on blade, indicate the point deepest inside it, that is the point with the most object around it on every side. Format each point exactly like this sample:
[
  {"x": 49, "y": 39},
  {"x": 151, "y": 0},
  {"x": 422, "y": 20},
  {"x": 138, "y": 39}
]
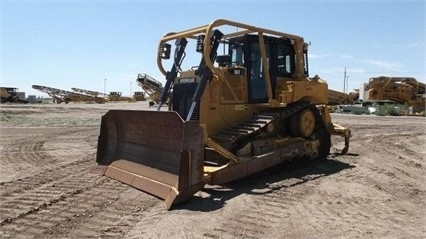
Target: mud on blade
[{"x": 155, "y": 151}]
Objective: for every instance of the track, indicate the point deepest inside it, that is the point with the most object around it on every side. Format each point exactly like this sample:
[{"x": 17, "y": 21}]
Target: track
[{"x": 250, "y": 128}]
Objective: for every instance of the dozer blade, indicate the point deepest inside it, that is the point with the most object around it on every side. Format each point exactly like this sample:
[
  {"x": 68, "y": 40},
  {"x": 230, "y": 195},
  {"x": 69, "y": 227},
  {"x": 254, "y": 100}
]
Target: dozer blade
[{"x": 155, "y": 151}]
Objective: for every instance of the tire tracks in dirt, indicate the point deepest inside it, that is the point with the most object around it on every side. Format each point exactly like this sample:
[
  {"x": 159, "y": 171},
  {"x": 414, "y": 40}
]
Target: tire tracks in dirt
[
  {"x": 303, "y": 211},
  {"x": 80, "y": 205},
  {"x": 266, "y": 209},
  {"x": 28, "y": 155},
  {"x": 59, "y": 184},
  {"x": 37, "y": 180},
  {"x": 62, "y": 198},
  {"x": 111, "y": 219},
  {"x": 28, "y": 151},
  {"x": 400, "y": 166},
  {"x": 45, "y": 168},
  {"x": 391, "y": 175}
]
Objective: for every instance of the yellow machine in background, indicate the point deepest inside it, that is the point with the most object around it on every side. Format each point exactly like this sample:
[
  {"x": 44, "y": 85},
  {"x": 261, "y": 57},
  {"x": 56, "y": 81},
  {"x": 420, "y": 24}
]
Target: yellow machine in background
[
  {"x": 79, "y": 95},
  {"x": 404, "y": 90},
  {"x": 231, "y": 115},
  {"x": 337, "y": 98},
  {"x": 139, "y": 96},
  {"x": 151, "y": 86},
  {"x": 8, "y": 94},
  {"x": 116, "y": 96}
]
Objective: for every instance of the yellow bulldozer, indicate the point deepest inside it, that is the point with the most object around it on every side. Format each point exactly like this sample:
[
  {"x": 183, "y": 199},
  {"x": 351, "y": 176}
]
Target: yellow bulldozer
[
  {"x": 116, "y": 96},
  {"x": 230, "y": 115},
  {"x": 139, "y": 96}
]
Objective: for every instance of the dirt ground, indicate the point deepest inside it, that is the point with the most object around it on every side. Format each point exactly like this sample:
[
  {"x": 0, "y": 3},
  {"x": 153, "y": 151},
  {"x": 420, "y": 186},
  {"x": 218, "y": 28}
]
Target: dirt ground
[{"x": 375, "y": 191}]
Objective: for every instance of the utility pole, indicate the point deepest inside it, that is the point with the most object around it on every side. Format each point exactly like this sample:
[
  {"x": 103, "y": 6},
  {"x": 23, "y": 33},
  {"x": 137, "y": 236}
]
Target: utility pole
[
  {"x": 131, "y": 89},
  {"x": 345, "y": 81},
  {"x": 105, "y": 86},
  {"x": 347, "y": 84}
]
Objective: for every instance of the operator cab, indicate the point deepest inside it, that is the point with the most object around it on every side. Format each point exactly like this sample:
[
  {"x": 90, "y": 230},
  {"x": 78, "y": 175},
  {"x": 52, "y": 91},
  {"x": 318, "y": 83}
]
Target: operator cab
[{"x": 245, "y": 52}]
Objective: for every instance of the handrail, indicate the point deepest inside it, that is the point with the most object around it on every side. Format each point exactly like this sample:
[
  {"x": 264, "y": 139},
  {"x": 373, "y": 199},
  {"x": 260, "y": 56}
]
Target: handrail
[{"x": 241, "y": 29}]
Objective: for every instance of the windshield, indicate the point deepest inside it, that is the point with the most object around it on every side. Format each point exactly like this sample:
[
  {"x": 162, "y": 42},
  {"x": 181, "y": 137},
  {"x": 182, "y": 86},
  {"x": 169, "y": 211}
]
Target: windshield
[{"x": 237, "y": 54}]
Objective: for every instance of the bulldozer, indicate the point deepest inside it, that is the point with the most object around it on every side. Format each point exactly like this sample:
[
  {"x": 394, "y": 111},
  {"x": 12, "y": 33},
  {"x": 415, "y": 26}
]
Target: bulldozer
[
  {"x": 116, "y": 96},
  {"x": 139, "y": 96},
  {"x": 230, "y": 115}
]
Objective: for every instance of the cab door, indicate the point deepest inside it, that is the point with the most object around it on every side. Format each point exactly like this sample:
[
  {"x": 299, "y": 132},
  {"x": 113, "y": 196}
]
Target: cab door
[{"x": 255, "y": 71}]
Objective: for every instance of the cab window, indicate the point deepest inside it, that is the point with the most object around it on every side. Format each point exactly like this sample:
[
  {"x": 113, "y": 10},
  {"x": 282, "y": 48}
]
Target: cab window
[{"x": 285, "y": 60}]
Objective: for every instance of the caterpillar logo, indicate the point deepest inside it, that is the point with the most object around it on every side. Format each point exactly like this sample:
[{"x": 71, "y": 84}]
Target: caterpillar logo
[{"x": 189, "y": 80}]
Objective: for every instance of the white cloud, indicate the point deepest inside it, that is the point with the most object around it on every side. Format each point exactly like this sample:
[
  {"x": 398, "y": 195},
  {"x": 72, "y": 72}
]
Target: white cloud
[
  {"x": 413, "y": 45},
  {"x": 339, "y": 70},
  {"x": 391, "y": 66},
  {"x": 355, "y": 70},
  {"x": 316, "y": 56},
  {"x": 399, "y": 45},
  {"x": 334, "y": 70},
  {"x": 346, "y": 56}
]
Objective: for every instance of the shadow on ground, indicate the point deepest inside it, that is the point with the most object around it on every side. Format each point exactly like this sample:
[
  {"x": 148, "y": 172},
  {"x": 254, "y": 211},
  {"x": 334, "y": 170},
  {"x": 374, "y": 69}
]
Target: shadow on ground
[{"x": 212, "y": 198}]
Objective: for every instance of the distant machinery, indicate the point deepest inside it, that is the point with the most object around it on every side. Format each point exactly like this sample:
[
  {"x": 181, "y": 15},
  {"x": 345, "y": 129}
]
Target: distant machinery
[
  {"x": 10, "y": 94},
  {"x": 113, "y": 96},
  {"x": 151, "y": 86},
  {"x": 32, "y": 99},
  {"x": 404, "y": 90},
  {"x": 60, "y": 96},
  {"x": 338, "y": 98},
  {"x": 139, "y": 96},
  {"x": 116, "y": 96},
  {"x": 89, "y": 92}
]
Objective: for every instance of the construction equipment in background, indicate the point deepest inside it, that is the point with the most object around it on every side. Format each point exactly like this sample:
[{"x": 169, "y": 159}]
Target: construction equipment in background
[
  {"x": 231, "y": 116},
  {"x": 116, "y": 96},
  {"x": 10, "y": 94},
  {"x": 89, "y": 92},
  {"x": 403, "y": 90},
  {"x": 113, "y": 96},
  {"x": 151, "y": 86},
  {"x": 338, "y": 98},
  {"x": 65, "y": 96},
  {"x": 139, "y": 96}
]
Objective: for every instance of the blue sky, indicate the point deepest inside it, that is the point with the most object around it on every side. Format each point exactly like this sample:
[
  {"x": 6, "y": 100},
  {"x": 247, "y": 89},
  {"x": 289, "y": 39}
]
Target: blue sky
[{"x": 65, "y": 44}]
